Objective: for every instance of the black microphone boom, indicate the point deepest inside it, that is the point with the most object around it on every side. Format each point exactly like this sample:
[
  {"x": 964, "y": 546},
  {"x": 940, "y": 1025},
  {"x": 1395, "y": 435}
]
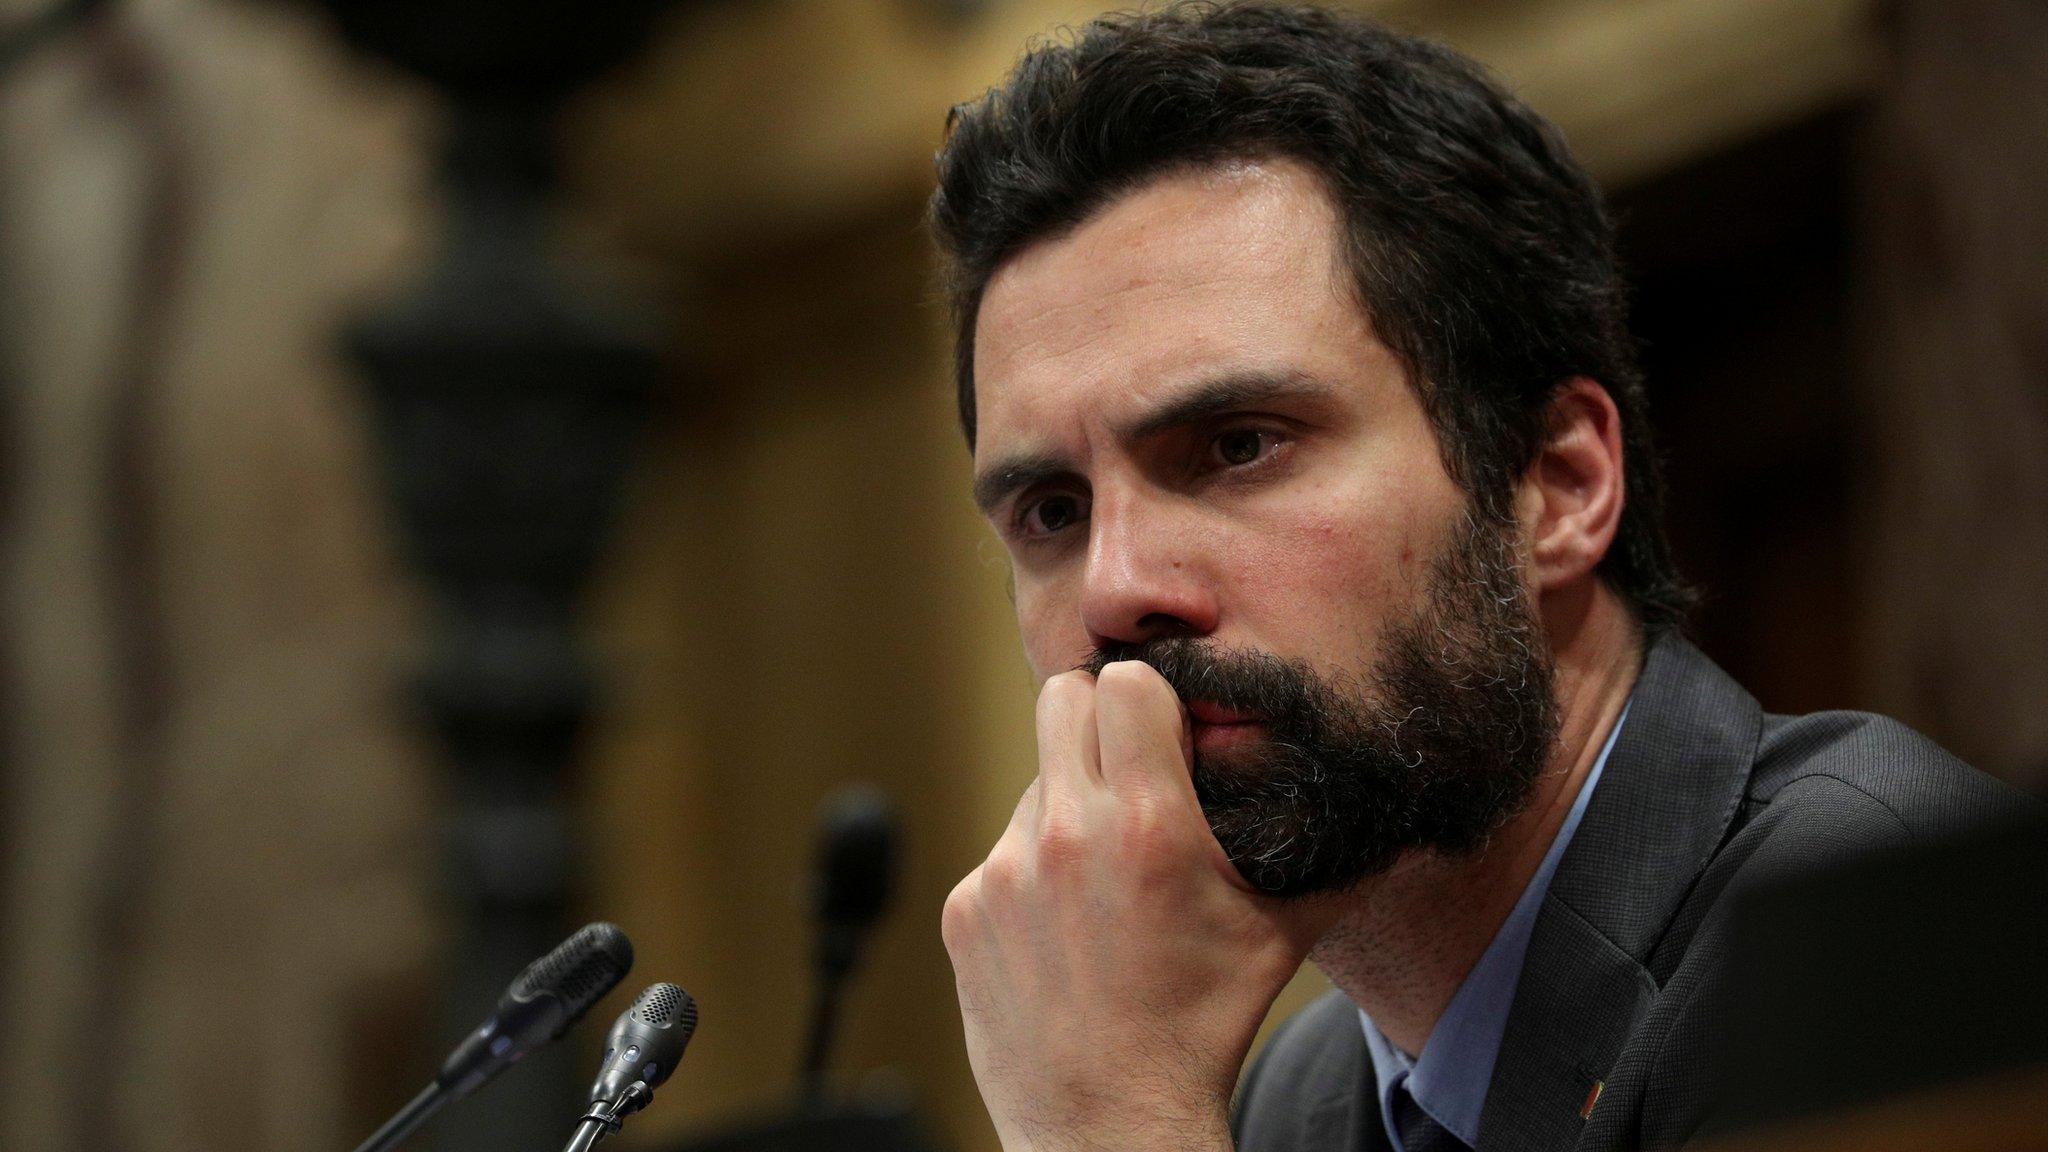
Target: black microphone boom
[{"x": 542, "y": 1002}]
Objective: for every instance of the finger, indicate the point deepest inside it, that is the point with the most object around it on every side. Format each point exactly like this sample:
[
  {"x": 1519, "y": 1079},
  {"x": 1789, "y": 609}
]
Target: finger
[
  {"x": 1069, "y": 758},
  {"x": 1143, "y": 732}
]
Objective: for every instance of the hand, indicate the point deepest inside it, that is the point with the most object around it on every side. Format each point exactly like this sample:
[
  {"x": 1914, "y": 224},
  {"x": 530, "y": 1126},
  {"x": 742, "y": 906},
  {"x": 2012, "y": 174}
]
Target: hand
[{"x": 1112, "y": 965}]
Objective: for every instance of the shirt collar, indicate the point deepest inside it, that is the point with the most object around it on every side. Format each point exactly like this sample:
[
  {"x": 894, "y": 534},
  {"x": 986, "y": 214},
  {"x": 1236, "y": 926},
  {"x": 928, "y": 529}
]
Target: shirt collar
[{"x": 1449, "y": 1079}]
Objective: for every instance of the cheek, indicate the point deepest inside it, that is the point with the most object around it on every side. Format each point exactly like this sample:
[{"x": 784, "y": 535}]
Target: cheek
[
  {"x": 1373, "y": 555},
  {"x": 1049, "y": 624},
  {"x": 1333, "y": 574},
  {"x": 1333, "y": 561}
]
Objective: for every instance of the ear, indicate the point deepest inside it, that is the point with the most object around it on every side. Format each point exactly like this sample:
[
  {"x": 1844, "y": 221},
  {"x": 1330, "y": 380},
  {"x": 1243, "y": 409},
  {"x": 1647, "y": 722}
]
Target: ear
[{"x": 1569, "y": 500}]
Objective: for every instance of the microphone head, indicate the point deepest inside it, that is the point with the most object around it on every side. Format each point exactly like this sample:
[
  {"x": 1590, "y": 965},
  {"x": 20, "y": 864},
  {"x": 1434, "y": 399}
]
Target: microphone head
[
  {"x": 551, "y": 994},
  {"x": 578, "y": 972},
  {"x": 645, "y": 1043},
  {"x": 856, "y": 858}
]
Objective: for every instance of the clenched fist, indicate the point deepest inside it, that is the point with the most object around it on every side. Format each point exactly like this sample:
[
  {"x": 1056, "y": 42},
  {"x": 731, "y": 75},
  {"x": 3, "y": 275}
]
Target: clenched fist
[{"x": 1112, "y": 965}]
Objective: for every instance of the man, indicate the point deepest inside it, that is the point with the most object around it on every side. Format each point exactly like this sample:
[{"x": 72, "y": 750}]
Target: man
[{"x": 1293, "y": 359}]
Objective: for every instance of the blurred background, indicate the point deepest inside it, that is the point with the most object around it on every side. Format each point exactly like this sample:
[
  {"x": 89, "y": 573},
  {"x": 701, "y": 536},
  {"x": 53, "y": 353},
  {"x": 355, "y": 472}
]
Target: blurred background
[{"x": 302, "y": 701}]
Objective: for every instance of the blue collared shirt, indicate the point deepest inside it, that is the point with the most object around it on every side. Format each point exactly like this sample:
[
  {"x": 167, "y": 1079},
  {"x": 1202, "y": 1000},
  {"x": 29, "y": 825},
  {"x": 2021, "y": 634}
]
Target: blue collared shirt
[{"x": 1448, "y": 1080}]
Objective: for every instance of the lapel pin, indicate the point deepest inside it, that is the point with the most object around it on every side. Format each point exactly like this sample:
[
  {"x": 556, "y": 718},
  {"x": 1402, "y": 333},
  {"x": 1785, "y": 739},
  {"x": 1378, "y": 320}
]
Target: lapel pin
[{"x": 1592, "y": 1098}]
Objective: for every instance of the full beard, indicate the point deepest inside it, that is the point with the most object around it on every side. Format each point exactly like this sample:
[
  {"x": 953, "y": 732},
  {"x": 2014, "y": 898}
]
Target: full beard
[{"x": 1435, "y": 750}]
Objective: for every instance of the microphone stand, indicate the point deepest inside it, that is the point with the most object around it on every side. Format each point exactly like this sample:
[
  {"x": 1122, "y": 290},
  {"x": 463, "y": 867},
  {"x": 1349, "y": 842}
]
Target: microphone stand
[
  {"x": 836, "y": 954},
  {"x": 606, "y": 1117},
  {"x": 589, "y": 1131},
  {"x": 415, "y": 1113}
]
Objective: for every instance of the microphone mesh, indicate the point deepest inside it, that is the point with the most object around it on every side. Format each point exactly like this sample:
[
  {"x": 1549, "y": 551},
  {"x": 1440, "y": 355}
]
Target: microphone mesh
[
  {"x": 666, "y": 1004},
  {"x": 584, "y": 968}
]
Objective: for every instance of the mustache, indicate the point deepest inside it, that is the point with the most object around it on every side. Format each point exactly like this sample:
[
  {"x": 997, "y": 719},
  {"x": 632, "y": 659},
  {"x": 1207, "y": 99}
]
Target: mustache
[{"x": 1279, "y": 691}]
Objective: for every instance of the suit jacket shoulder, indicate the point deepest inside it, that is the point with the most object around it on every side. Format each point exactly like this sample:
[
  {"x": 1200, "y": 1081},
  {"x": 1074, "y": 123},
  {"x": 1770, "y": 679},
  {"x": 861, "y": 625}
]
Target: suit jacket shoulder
[
  {"x": 1825, "y": 787},
  {"x": 1834, "y": 763}
]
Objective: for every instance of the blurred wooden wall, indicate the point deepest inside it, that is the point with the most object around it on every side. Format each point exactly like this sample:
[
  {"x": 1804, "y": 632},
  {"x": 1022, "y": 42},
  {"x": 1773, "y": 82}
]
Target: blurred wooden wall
[{"x": 1952, "y": 223}]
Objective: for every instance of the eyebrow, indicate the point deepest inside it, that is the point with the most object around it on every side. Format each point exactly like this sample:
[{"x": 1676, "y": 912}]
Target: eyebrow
[
  {"x": 1225, "y": 393},
  {"x": 1207, "y": 400},
  {"x": 1015, "y": 474}
]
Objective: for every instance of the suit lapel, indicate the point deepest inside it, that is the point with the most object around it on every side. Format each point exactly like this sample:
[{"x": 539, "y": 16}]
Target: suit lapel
[
  {"x": 1664, "y": 803},
  {"x": 1342, "y": 1109}
]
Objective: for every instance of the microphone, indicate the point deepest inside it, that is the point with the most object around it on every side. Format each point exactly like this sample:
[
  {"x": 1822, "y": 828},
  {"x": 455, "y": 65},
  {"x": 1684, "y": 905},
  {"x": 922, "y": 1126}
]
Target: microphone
[
  {"x": 850, "y": 888},
  {"x": 856, "y": 870},
  {"x": 541, "y": 1003},
  {"x": 640, "y": 1053},
  {"x": 553, "y": 993}
]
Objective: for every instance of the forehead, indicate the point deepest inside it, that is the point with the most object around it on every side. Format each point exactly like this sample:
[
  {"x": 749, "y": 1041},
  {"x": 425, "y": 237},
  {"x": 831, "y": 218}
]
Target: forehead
[{"x": 1234, "y": 268}]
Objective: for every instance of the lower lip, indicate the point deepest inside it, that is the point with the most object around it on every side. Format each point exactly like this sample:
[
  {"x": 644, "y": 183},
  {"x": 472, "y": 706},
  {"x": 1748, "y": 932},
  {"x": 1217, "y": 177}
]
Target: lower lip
[{"x": 1217, "y": 737}]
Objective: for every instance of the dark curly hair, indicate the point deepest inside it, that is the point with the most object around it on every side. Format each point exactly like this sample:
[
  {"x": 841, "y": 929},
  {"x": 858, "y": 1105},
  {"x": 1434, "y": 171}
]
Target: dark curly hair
[{"x": 1481, "y": 250}]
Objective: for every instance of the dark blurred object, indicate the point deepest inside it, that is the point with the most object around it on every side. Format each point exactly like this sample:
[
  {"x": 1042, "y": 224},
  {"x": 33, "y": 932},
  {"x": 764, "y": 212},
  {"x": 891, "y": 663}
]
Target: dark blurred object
[
  {"x": 477, "y": 52},
  {"x": 22, "y": 36},
  {"x": 855, "y": 875},
  {"x": 856, "y": 869},
  {"x": 1888, "y": 976},
  {"x": 508, "y": 385},
  {"x": 1998, "y": 1114}
]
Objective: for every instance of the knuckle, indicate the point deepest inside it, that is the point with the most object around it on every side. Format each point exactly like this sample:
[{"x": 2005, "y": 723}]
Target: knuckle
[
  {"x": 1002, "y": 877},
  {"x": 1137, "y": 823},
  {"x": 1062, "y": 841},
  {"x": 961, "y": 914},
  {"x": 1152, "y": 842}
]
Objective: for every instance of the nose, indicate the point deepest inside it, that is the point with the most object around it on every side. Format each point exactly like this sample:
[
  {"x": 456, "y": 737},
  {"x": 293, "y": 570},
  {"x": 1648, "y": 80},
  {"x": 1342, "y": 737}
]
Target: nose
[{"x": 1142, "y": 581}]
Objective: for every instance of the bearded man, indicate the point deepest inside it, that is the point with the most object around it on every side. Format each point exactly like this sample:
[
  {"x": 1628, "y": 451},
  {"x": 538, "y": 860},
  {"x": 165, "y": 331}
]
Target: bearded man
[{"x": 1294, "y": 363}]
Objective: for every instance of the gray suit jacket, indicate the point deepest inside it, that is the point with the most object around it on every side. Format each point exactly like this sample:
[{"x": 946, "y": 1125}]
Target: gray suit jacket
[{"x": 1703, "y": 793}]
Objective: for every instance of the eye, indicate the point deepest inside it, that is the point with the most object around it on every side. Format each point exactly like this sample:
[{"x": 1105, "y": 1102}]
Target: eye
[
  {"x": 1238, "y": 447},
  {"x": 1050, "y": 514}
]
